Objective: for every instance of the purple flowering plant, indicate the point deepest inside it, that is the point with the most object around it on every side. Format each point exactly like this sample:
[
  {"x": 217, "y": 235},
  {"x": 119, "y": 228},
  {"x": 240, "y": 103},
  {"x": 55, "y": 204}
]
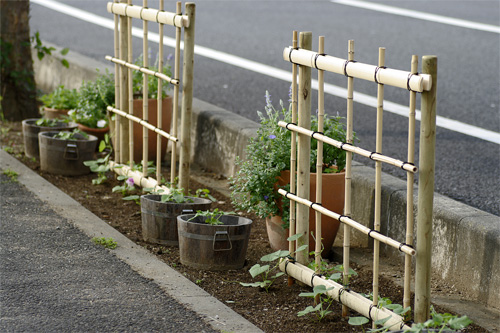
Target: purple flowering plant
[{"x": 254, "y": 187}]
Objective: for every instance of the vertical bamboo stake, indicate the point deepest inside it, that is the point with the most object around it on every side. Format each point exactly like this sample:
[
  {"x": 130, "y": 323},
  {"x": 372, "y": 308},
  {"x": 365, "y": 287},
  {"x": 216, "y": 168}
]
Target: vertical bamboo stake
[
  {"x": 117, "y": 89},
  {"x": 378, "y": 178},
  {"x": 319, "y": 158},
  {"x": 159, "y": 98},
  {"x": 348, "y": 176},
  {"x": 124, "y": 129},
  {"x": 130, "y": 89},
  {"x": 175, "y": 107},
  {"x": 426, "y": 194},
  {"x": 304, "y": 149},
  {"x": 145, "y": 98},
  {"x": 293, "y": 156},
  {"x": 409, "y": 188},
  {"x": 187, "y": 98}
]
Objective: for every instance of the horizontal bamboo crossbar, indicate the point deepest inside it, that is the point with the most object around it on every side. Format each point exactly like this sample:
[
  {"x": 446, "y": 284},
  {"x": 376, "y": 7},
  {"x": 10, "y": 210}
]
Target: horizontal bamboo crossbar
[
  {"x": 410, "y": 167},
  {"x": 403, "y": 247},
  {"x": 143, "y": 70},
  {"x": 143, "y": 123},
  {"x": 138, "y": 177},
  {"x": 343, "y": 295},
  {"x": 148, "y": 14},
  {"x": 382, "y": 75}
]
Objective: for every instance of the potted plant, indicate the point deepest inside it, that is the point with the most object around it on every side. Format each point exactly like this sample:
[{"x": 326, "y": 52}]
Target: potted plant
[
  {"x": 213, "y": 240},
  {"x": 137, "y": 82},
  {"x": 63, "y": 152},
  {"x": 159, "y": 213},
  {"x": 267, "y": 168},
  {"x": 57, "y": 103},
  {"x": 33, "y": 126},
  {"x": 93, "y": 99}
]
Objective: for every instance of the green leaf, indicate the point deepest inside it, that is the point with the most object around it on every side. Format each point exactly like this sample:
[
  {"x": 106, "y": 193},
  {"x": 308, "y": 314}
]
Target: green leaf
[
  {"x": 102, "y": 146},
  {"x": 308, "y": 310},
  {"x": 294, "y": 237},
  {"x": 358, "y": 321},
  {"x": 253, "y": 284},
  {"x": 382, "y": 321},
  {"x": 65, "y": 63},
  {"x": 275, "y": 255},
  {"x": 277, "y": 275},
  {"x": 459, "y": 323},
  {"x": 132, "y": 197},
  {"x": 65, "y": 51},
  {"x": 258, "y": 269},
  {"x": 335, "y": 276},
  {"x": 302, "y": 248}
]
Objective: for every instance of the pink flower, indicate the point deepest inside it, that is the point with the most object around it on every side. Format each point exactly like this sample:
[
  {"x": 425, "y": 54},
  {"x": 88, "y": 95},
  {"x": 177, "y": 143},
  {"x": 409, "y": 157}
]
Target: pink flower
[{"x": 130, "y": 182}]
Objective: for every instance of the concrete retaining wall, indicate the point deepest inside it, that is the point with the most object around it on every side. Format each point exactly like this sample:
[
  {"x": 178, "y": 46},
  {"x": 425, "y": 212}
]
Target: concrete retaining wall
[{"x": 466, "y": 241}]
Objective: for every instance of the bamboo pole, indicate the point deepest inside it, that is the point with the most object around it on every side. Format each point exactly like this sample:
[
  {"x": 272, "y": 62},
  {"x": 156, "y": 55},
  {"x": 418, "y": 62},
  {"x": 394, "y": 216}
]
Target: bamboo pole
[
  {"x": 117, "y": 88},
  {"x": 145, "y": 95},
  {"x": 124, "y": 130},
  {"x": 409, "y": 167},
  {"x": 386, "y": 76},
  {"x": 342, "y": 295},
  {"x": 143, "y": 70},
  {"x": 409, "y": 189},
  {"x": 303, "y": 150},
  {"x": 138, "y": 177},
  {"x": 187, "y": 98},
  {"x": 130, "y": 90},
  {"x": 426, "y": 194},
  {"x": 159, "y": 98},
  {"x": 348, "y": 176},
  {"x": 293, "y": 156},
  {"x": 175, "y": 108},
  {"x": 143, "y": 123},
  {"x": 351, "y": 223},
  {"x": 319, "y": 160},
  {"x": 149, "y": 14},
  {"x": 378, "y": 178}
]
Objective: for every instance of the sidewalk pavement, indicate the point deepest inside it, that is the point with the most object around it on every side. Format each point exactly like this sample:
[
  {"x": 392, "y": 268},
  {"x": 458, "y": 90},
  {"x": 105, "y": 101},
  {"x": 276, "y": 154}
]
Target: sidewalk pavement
[{"x": 54, "y": 278}]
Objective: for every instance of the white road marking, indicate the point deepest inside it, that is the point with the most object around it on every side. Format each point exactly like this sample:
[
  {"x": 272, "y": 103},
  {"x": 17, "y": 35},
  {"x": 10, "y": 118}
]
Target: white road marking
[
  {"x": 419, "y": 15},
  {"x": 402, "y": 110}
]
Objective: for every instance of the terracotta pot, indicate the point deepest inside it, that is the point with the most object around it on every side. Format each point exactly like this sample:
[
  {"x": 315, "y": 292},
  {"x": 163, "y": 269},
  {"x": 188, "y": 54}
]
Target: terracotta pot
[
  {"x": 97, "y": 132},
  {"x": 152, "y": 119},
  {"x": 51, "y": 113},
  {"x": 332, "y": 199}
]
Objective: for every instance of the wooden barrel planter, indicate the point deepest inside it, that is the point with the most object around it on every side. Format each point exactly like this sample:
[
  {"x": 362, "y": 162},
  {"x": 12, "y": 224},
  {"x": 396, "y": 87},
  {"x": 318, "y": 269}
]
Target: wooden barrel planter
[
  {"x": 159, "y": 219},
  {"x": 30, "y": 135},
  {"x": 213, "y": 247},
  {"x": 65, "y": 157}
]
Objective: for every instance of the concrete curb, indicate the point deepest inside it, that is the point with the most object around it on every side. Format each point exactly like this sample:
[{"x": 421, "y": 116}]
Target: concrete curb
[
  {"x": 219, "y": 136},
  {"x": 218, "y": 315}
]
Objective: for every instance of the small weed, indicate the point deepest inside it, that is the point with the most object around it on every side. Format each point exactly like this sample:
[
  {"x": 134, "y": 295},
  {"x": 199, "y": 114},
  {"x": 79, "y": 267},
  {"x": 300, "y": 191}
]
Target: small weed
[
  {"x": 9, "y": 150},
  {"x": 11, "y": 174},
  {"x": 108, "y": 243}
]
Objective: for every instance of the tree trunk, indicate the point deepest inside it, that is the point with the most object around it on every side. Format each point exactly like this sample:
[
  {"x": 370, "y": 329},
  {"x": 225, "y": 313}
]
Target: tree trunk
[{"x": 17, "y": 89}]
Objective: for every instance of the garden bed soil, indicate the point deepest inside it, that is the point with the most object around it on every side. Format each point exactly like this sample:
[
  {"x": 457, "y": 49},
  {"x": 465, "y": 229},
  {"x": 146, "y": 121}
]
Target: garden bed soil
[{"x": 275, "y": 311}]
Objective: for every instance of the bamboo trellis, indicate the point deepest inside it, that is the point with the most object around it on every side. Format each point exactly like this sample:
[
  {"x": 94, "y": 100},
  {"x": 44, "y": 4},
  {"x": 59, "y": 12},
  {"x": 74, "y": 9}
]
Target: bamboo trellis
[
  {"x": 305, "y": 59},
  {"x": 124, "y": 12}
]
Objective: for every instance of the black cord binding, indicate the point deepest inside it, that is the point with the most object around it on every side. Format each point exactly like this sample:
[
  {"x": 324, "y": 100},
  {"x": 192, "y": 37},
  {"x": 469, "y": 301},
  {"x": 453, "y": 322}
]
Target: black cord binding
[
  {"x": 408, "y": 81},
  {"x": 315, "y": 132},
  {"x": 344, "y": 143},
  {"x": 345, "y": 66},
  {"x": 376, "y": 72},
  {"x": 316, "y": 58},
  {"x": 290, "y": 54},
  {"x": 404, "y": 244},
  {"x": 290, "y": 124},
  {"x": 373, "y": 230},
  {"x": 404, "y": 163}
]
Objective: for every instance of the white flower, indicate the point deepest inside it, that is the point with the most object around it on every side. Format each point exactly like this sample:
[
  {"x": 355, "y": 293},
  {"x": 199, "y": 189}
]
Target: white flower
[{"x": 101, "y": 123}]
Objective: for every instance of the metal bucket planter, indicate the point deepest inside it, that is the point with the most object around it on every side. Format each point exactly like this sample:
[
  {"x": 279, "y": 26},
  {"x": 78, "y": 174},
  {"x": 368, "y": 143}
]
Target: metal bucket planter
[
  {"x": 65, "y": 157},
  {"x": 159, "y": 219},
  {"x": 30, "y": 134},
  {"x": 213, "y": 247}
]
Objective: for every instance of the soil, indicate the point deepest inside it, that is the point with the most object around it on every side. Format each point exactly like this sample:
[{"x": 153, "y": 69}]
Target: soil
[{"x": 273, "y": 311}]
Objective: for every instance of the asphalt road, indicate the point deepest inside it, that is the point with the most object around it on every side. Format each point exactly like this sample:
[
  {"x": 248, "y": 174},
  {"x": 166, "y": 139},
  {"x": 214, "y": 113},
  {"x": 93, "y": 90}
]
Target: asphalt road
[{"x": 467, "y": 168}]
